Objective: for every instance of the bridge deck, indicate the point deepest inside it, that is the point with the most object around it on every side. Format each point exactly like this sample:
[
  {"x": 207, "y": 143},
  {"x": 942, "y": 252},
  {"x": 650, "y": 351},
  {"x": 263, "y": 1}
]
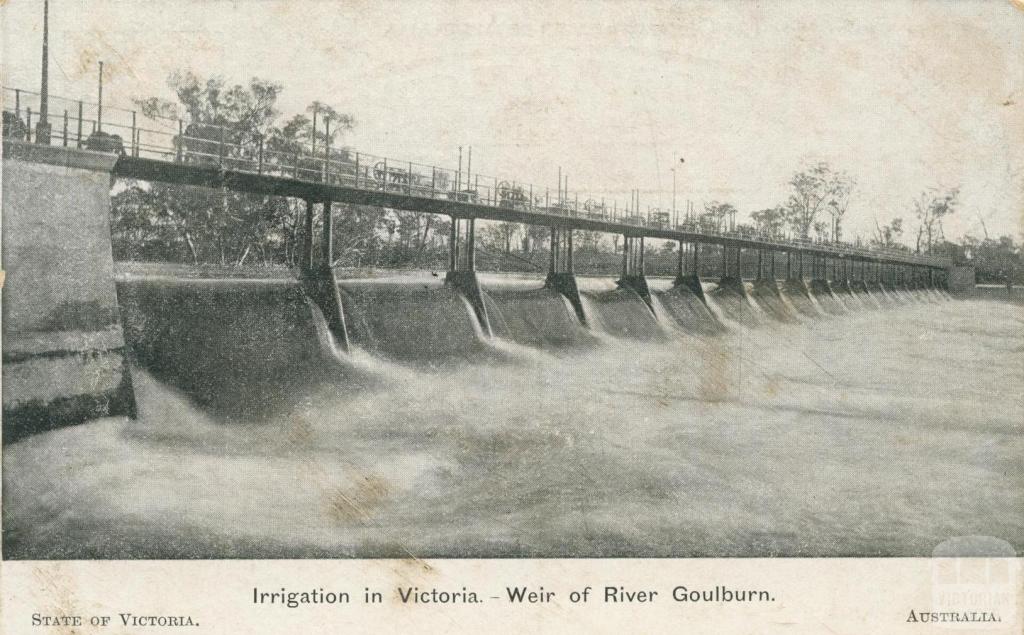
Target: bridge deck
[{"x": 275, "y": 185}]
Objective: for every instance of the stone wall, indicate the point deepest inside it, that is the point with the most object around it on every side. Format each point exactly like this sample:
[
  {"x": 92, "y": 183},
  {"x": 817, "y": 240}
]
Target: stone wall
[{"x": 63, "y": 348}]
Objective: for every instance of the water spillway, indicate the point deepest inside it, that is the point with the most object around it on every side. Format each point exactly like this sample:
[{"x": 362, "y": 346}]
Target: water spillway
[
  {"x": 682, "y": 304},
  {"x": 244, "y": 349},
  {"x": 540, "y": 317},
  {"x": 733, "y": 297},
  {"x": 827, "y": 299},
  {"x": 860, "y": 289},
  {"x": 844, "y": 291},
  {"x": 425, "y": 322},
  {"x": 622, "y": 313},
  {"x": 771, "y": 300},
  {"x": 800, "y": 298}
]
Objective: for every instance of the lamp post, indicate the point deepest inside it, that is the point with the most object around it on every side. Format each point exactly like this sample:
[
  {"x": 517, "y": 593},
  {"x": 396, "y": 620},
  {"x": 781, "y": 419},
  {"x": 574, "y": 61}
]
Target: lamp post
[
  {"x": 43, "y": 127},
  {"x": 681, "y": 160}
]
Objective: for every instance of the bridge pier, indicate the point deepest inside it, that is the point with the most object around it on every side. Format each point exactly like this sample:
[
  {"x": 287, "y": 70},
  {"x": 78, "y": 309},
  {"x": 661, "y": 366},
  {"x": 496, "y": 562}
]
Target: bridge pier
[
  {"x": 690, "y": 281},
  {"x": 317, "y": 274},
  {"x": 561, "y": 270},
  {"x": 461, "y": 274},
  {"x": 633, "y": 268}
]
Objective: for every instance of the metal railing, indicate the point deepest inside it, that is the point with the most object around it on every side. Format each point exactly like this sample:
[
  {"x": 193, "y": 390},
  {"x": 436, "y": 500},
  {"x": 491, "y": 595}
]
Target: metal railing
[{"x": 88, "y": 125}]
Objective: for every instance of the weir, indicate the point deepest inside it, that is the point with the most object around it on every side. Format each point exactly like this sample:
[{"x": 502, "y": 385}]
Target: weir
[{"x": 246, "y": 347}]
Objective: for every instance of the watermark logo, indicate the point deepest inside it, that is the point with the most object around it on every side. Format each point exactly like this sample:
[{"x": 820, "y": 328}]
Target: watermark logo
[{"x": 975, "y": 585}]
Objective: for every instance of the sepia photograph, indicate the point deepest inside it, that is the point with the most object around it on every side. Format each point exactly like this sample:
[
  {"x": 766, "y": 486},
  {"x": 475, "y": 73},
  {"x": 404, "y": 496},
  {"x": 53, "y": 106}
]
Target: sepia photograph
[{"x": 475, "y": 280}]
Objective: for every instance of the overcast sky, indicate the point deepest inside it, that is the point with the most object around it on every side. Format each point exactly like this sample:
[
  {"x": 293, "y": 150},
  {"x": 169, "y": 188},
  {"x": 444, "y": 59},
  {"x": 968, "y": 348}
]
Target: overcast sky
[{"x": 902, "y": 95}]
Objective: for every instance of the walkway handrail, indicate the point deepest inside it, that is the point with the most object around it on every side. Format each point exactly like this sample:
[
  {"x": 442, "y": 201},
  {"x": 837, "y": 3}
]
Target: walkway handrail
[{"x": 83, "y": 124}]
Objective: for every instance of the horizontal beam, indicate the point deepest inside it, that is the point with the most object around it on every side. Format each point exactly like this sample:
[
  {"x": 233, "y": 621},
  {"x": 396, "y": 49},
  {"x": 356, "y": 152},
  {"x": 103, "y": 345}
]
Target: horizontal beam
[{"x": 263, "y": 184}]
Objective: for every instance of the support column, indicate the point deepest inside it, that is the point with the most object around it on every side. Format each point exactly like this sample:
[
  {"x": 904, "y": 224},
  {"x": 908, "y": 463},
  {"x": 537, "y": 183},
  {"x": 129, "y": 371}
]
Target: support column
[
  {"x": 327, "y": 237},
  {"x": 462, "y": 277},
  {"x": 307, "y": 240}
]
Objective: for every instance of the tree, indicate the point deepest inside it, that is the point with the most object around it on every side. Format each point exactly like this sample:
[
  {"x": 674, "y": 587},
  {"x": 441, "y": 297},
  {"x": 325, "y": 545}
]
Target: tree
[
  {"x": 930, "y": 208},
  {"x": 770, "y": 222},
  {"x": 814, "y": 189},
  {"x": 500, "y": 235},
  {"x": 888, "y": 235},
  {"x": 716, "y": 215},
  {"x": 202, "y": 225}
]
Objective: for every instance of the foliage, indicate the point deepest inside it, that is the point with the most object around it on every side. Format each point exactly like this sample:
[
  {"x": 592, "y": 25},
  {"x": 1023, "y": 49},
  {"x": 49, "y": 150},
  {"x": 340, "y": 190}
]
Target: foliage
[
  {"x": 816, "y": 189},
  {"x": 930, "y": 207}
]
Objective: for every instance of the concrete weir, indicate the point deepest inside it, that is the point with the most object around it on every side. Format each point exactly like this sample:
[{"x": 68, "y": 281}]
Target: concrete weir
[
  {"x": 770, "y": 298},
  {"x": 685, "y": 303},
  {"x": 827, "y": 300},
  {"x": 732, "y": 296},
  {"x": 64, "y": 355},
  {"x": 799, "y": 296},
  {"x": 246, "y": 349}
]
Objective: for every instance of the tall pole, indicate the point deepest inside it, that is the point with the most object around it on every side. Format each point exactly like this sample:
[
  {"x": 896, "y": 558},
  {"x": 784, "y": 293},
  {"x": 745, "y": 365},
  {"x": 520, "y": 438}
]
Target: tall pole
[
  {"x": 43, "y": 127},
  {"x": 99, "y": 111},
  {"x": 673, "y": 194}
]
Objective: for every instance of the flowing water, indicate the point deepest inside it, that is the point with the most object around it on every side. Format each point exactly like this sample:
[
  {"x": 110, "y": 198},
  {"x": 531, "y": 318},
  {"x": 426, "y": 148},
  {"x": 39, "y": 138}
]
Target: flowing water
[{"x": 885, "y": 433}]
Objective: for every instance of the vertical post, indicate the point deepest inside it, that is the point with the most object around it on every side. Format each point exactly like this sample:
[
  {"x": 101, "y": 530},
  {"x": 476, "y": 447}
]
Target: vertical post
[
  {"x": 327, "y": 152},
  {"x": 312, "y": 148},
  {"x": 433, "y": 181},
  {"x": 739, "y": 262},
  {"x": 471, "y": 245},
  {"x": 453, "y": 239},
  {"x": 259, "y": 164},
  {"x": 65, "y": 128},
  {"x": 80, "y": 108},
  {"x": 99, "y": 105},
  {"x": 625, "y": 255},
  {"x": 789, "y": 265},
  {"x": 696, "y": 261},
  {"x": 134, "y": 152},
  {"x": 220, "y": 149},
  {"x": 28, "y": 124},
  {"x": 571, "y": 263},
  {"x": 181, "y": 140},
  {"x": 725, "y": 262},
  {"x": 642, "y": 250},
  {"x": 760, "y": 268},
  {"x": 551, "y": 256},
  {"x": 307, "y": 240},
  {"x": 327, "y": 237},
  {"x": 385, "y": 175},
  {"x": 679, "y": 263},
  {"x": 43, "y": 127},
  {"x": 458, "y": 246}
]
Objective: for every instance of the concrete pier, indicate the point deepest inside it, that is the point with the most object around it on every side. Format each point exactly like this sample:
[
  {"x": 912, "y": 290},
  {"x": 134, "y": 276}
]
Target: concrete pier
[{"x": 64, "y": 356}]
